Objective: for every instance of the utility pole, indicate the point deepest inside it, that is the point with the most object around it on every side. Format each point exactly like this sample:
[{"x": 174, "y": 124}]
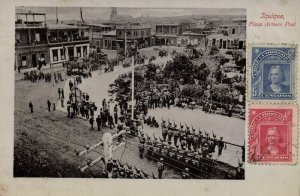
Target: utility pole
[
  {"x": 132, "y": 87},
  {"x": 125, "y": 43}
]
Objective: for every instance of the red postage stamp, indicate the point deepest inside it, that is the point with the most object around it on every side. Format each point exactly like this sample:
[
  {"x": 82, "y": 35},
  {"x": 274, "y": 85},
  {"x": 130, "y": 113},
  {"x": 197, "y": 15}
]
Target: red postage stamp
[{"x": 272, "y": 134}]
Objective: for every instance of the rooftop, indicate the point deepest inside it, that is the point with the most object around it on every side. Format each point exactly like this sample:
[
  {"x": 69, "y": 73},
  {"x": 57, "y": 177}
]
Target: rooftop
[
  {"x": 64, "y": 26},
  {"x": 191, "y": 33},
  {"x": 166, "y": 35},
  {"x": 99, "y": 25},
  {"x": 233, "y": 24},
  {"x": 168, "y": 24},
  {"x": 111, "y": 33},
  {"x": 230, "y": 37},
  {"x": 134, "y": 27}
]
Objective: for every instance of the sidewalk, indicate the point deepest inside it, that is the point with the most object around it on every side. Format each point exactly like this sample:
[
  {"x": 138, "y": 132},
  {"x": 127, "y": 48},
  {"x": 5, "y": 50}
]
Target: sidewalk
[{"x": 44, "y": 68}]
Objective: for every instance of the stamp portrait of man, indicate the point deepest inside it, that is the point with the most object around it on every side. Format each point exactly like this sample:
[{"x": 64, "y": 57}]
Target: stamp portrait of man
[
  {"x": 276, "y": 79},
  {"x": 274, "y": 144}
]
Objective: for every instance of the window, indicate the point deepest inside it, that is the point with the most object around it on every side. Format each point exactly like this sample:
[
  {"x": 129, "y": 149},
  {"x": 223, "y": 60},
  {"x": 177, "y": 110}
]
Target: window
[
  {"x": 120, "y": 33},
  {"x": 84, "y": 51},
  {"x": 105, "y": 43},
  {"x": 78, "y": 51},
  {"x": 42, "y": 57},
  {"x": 18, "y": 38},
  {"x": 135, "y": 33},
  {"x": 142, "y": 33},
  {"x": 24, "y": 60},
  {"x": 174, "y": 30},
  {"x": 62, "y": 54},
  {"x": 37, "y": 37},
  {"x": 55, "y": 55},
  {"x": 128, "y": 33},
  {"x": 97, "y": 43},
  {"x": 233, "y": 31}
]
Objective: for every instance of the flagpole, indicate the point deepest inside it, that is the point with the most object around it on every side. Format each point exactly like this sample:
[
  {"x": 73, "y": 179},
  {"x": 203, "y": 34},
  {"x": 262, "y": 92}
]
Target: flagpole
[{"x": 132, "y": 87}]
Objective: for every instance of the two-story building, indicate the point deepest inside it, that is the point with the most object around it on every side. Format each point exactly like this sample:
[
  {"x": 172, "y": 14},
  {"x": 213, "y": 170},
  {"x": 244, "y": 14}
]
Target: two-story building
[
  {"x": 138, "y": 34},
  {"x": 31, "y": 46},
  {"x": 67, "y": 41},
  {"x": 166, "y": 34},
  {"x": 190, "y": 38},
  {"x": 39, "y": 44},
  {"x": 229, "y": 36},
  {"x": 109, "y": 40},
  {"x": 96, "y": 33}
]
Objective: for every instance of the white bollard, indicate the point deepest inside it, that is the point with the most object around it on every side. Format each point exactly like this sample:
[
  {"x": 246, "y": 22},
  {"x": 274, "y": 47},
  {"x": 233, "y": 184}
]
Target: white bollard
[{"x": 107, "y": 145}]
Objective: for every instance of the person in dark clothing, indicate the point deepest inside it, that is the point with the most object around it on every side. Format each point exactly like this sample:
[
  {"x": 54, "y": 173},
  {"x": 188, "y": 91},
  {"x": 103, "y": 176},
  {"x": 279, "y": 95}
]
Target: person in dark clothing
[
  {"x": 87, "y": 114},
  {"x": 62, "y": 93},
  {"x": 31, "y": 107},
  {"x": 116, "y": 114},
  {"x": 62, "y": 101},
  {"x": 59, "y": 92},
  {"x": 92, "y": 122},
  {"x": 92, "y": 110},
  {"x": 70, "y": 84},
  {"x": 49, "y": 105},
  {"x": 111, "y": 121},
  {"x": 98, "y": 121},
  {"x": 220, "y": 146},
  {"x": 68, "y": 108},
  {"x": 116, "y": 118}
]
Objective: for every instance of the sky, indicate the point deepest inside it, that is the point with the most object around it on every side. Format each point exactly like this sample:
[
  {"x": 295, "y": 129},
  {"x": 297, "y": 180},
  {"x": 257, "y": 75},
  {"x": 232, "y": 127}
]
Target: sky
[{"x": 71, "y": 13}]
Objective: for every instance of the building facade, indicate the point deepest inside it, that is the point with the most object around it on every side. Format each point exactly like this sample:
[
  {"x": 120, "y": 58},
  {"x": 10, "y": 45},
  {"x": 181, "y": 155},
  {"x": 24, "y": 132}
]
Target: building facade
[
  {"x": 109, "y": 40},
  {"x": 39, "y": 44},
  {"x": 138, "y": 34},
  {"x": 229, "y": 36},
  {"x": 166, "y": 34},
  {"x": 66, "y": 41},
  {"x": 31, "y": 45},
  {"x": 96, "y": 32}
]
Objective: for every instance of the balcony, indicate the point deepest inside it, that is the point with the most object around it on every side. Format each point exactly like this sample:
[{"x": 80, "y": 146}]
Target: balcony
[
  {"x": 27, "y": 44},
  {"x": 56, "y": 40}
]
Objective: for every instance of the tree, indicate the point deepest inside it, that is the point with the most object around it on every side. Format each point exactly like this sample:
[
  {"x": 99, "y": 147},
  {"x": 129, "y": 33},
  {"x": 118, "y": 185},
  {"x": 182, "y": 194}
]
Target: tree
[
  {"x": 180, "y": 68},
  {"x": 201, "y": 72},
  {"x": 162, "y": 53},
  {"x": 122, "y": 88}
]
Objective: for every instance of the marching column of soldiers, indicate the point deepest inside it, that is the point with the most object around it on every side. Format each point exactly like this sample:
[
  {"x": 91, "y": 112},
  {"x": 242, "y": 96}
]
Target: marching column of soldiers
[
  {"x": 191, "y": 139},
  {"x": 191, "y": 153},
  {"x": 115, "y": 169}
]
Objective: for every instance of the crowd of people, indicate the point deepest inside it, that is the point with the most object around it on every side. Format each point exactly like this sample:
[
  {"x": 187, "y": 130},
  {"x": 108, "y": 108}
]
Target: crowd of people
[
  {"x": 35, "y": 76},
  {"x": 79, "y": 104}
]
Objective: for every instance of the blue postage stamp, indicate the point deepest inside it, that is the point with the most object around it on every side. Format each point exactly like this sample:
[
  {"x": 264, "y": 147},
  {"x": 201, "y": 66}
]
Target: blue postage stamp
[{"x": 273, "y": 73}]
